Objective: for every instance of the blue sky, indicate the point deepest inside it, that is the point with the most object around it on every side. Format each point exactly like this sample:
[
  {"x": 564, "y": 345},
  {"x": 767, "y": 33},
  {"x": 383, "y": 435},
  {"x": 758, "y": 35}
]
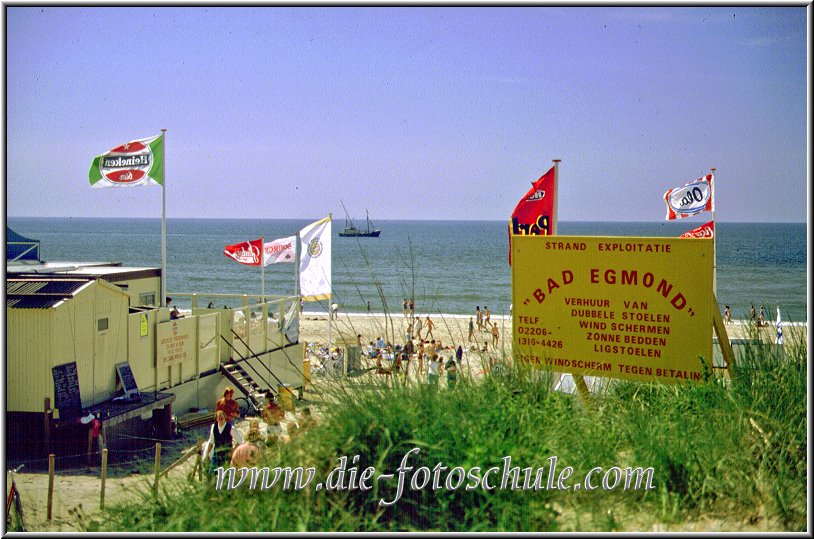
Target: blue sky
[{"x": 412, "y": 113}]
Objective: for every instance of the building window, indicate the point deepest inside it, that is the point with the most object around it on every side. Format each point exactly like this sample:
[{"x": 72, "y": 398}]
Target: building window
[
  {"x": 147, "y": 299},
  {"x": 102, "y": 324}
]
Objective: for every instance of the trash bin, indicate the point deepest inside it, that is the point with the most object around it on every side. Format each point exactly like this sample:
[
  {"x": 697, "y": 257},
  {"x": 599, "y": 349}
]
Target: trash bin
[
  {"x": 285, "y": 397},
  {"x": 353, "y": 358}
]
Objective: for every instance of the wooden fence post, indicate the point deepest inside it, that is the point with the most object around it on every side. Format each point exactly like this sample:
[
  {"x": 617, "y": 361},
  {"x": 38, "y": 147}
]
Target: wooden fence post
[
  {"x": 157, "y": 465},
  {"x": 104, "y": 477},
  {"x": 46, "y": 424},
  {"x": 50, "y": 485}
]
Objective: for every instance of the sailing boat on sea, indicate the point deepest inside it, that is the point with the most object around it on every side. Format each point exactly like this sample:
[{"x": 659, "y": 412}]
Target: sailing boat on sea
[{"x": 352, "y": 232}]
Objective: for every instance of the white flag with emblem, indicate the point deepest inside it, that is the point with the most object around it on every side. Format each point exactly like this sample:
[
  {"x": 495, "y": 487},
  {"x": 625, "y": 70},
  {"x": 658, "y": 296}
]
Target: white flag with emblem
[
  {"x": 281, "y": 250},
  {"x": 315, "y": 261},
  {"x": 779, "y": 328}
]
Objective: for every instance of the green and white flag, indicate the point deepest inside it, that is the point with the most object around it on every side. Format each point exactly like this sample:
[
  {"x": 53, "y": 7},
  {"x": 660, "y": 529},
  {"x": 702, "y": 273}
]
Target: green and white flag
[{"x": 138, "y": 162}]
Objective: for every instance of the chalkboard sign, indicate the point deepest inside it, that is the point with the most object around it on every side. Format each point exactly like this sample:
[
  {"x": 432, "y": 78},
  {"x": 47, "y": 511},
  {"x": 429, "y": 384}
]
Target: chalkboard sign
[
  {"x": 66, "y": 390},
  {"x": 127, "y": 379}
]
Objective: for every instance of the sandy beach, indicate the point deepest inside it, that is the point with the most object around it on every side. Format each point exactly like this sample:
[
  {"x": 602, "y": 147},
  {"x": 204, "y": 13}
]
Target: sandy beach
[
  {"x": 80, "y": 493},
  {"x": 452, "y": 330}
]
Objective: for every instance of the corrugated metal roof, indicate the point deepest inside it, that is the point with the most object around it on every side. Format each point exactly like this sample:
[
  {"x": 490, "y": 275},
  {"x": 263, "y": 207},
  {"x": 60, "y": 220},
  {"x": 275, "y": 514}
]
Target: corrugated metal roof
[
  {"x": 41, "y": 293},
  {"x": 34, "y": 302}
]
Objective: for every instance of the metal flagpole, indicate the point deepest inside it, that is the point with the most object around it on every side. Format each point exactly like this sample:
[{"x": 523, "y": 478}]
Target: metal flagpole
[
  {"x": 556, "y": 195},
  {"x": 297, "y": 252},
  {"x": 164, "y": 220},
  {"x": 714, "y": 239},
  {"x": 330, "y": 309},
  {"x": 262, "y": 269}
]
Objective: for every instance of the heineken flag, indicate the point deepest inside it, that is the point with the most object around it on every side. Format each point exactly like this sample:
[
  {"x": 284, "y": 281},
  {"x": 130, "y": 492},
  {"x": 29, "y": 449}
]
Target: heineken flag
[{"x": 138, "y": 162}]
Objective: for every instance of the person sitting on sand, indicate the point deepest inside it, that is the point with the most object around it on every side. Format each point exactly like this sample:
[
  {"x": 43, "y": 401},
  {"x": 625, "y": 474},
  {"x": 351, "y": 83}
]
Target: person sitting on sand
[
  {"x": 272, "y": 414},
  {"x": 245, "y": 455},
  {"x": 485, "y": 347},
  {"x": 254, "y": 436},
  {"x": 306, "y": 419}
]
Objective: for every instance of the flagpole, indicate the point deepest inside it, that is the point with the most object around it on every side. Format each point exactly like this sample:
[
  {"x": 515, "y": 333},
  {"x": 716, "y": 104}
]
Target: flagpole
[
  {"x": 164, "y": 220},
  {"x": 556, "y": 195},
  {"x": 297, "y": 252},
  {"x": 714, "y": 239},
  {"x": 262, "y": 269},
  {"x": 330, "y": 311}
]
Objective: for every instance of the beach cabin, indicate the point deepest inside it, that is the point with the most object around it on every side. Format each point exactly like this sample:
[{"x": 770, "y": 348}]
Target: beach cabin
[{"x": 86, "y": 341}]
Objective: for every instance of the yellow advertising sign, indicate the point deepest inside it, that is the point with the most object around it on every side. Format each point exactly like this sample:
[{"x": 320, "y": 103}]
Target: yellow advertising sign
[
  {"x": 175, "y": 341},
  {"x": 618, "y": 307}
]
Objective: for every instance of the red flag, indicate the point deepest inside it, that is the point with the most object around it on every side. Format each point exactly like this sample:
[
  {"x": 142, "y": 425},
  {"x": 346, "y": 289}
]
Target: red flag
[
  {"x": 534, "y": 214},
  {"x": 707, "y": 230},
  {"x": 695, "y": 197},
  {"x": 247, "y": 252}
]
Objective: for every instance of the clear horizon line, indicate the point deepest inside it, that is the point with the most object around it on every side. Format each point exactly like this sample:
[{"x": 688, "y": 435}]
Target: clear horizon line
[{"x": 387, "y": 220}]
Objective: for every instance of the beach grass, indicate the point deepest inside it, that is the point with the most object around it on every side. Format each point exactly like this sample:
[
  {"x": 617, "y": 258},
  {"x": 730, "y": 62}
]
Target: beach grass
[{"x": 724, "y": 456}]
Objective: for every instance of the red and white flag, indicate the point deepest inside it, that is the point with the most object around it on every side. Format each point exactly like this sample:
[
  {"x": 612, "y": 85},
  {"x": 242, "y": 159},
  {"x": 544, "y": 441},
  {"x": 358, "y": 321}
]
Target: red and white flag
[
  {"x": 692, "y": 199},
  {"x": 281, "y": 250},
  {"x": 247, "y": 252},
  {"x": 707, "y": 230},
  {"x": 534, "y": 214}
]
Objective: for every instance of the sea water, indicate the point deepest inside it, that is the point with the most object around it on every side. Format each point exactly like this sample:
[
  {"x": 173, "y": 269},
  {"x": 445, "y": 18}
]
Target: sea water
[{"x": 447, "y": 266}]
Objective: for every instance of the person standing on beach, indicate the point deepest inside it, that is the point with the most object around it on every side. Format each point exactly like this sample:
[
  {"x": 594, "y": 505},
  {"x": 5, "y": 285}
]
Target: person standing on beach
[
  {"x": 761, "y": 317},
  {"x": 334, "y": 311},
  {"x": 495, "y": 335},
  {"x": 432, "y": 370},
  {"x": 479, "y": 318},
  {"x": 452, "y": 374},
  {"x": 221, "y": 437},
  {"x": 420, "y": 357},
  {"x": 727, "y": 315},
  {"x": 418, "y": 329},
  {"x": 471, "y": 328},
  {"x": 412, "y": 307},
  {"x": 228, "y": 405},
  {"x": 487, "y": 316},
  {"x": 404, "y": 307},
  {"x": 429, "y": 325},
  {"x": 751, "y": 314},
  {"x": 368, "y": 306}
]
